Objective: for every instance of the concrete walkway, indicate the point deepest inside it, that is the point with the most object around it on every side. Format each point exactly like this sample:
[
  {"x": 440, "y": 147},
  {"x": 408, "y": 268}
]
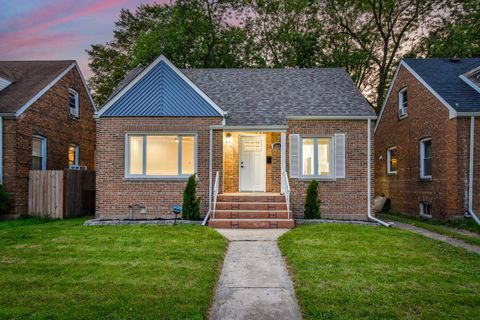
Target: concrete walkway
[
  {"x": 437, "y": 236},
  {"x": 254, "y": 283}
]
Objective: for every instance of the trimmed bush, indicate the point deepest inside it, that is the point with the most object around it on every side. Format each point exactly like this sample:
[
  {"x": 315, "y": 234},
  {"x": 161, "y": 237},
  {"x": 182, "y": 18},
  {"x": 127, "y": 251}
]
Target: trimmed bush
[
  {"x": 312, "y": 203},
  {"x": 4, "y": 200},
  {"x": 191, "y": 204}
]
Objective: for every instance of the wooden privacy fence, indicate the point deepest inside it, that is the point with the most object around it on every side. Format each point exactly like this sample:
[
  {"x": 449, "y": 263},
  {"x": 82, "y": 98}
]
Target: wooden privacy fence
[{"x": 61, "y": 193}]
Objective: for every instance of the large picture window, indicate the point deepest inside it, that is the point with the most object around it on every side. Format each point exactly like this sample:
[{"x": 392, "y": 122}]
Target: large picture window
[
  {"x": 317, "y": 158},
  {"x": 158, "y": 155}
]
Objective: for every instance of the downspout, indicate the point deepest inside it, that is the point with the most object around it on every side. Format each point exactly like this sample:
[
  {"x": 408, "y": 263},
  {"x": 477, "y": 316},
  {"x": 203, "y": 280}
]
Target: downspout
[
  {"x": 369, "y": 178},
  {"x": 470, "y": 171}
]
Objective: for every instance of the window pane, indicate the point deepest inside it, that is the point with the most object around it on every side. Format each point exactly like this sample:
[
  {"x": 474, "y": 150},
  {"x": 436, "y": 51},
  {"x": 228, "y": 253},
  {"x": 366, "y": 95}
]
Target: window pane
[
  {"x": 188, "y": 155},
  {"x": 72, "y": 155},
  {"x": 307, "y": 156},
  {"x": 36, "y": 163},
  {"x": 323, "y": 156},
  {"x": 162, "y": 155},
  {"x": 393, "y": 159},
  {"x": 36, "y": 147},
  {"x": 427, "y": 167},
  {"x": 427, "y": 145},
  {"x": 136, "y": 155}
]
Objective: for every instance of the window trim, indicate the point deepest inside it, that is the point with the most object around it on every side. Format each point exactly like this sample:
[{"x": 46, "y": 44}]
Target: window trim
[
  {"x": 422, "y": 158},
  {"x": 401, "y": 102},
  {"x": 315, "y": 138},
  {"x": 43, "y": 141},
  {"x": 389, "y": 169},
  {"x": 143, "y": 176},
  {"x": 421, "y": 213},
  {"x": 77, "y": 103},
  {"x": 77, "y": 154}
]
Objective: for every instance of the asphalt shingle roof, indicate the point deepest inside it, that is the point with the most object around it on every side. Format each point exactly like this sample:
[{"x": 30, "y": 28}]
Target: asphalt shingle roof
[
  {"x": 29, "y": 78},
  {"x": 265, "y": 96},
  {"x": 443, "y": 76}
]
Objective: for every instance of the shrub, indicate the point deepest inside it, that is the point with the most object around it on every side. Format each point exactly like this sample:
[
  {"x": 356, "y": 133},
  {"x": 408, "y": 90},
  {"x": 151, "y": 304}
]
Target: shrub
[
  {"x": 191, "y": 204},
  {"x": 4, "y": 200},
  {"x": 312, "y": 203}
]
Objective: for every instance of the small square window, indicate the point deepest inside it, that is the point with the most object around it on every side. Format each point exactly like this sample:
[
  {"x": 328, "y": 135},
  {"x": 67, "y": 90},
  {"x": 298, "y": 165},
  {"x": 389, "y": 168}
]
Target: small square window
[
  {"x": 73, "y": 103},
  {"x": 402, "y": 103},
  {"x": 392, "y": 160},
  {"x": 425, "y": 209}
]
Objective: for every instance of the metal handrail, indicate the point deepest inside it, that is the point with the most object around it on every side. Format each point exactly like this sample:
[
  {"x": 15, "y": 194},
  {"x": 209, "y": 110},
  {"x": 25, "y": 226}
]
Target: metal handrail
[
  {"x": 215, "y": 193},
  {"x": 286, "y": 191}
]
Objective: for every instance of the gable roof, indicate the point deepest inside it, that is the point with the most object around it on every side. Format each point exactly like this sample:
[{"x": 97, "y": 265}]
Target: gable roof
[
  {"x": 160, "y": 90},
  {"x": 444, "y": 77},
  {"x": 253, "y": 97},
  {"x": 30, "y": 80}
]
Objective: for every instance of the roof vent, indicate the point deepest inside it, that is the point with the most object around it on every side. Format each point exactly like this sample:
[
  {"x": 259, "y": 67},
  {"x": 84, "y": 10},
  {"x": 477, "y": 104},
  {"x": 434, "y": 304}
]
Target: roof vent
[{"x": 455, "y": 60}]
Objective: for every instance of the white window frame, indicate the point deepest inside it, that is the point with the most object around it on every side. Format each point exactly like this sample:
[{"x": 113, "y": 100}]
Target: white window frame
[
  {"x": 77, "y": 151},
  {"x": 144, "y": 157},
  {"x": 422, "y": 211},
  {"x": 389, "y": 158},
  {"x": 422, "y": 158},
  {"x": 401, "y": 103},
  {"x": 43, "y": 142},
  {"x": 315, "y": 162},
  {"x": 75, "y": 112}
]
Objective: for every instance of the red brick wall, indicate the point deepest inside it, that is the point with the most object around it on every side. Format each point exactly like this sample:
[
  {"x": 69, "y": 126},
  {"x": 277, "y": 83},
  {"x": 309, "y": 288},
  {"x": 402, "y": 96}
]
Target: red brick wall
[
  {"x": 115, "y": 193},
  {"x": 48, "y": 117},
  {"x": 427, "y": 117},
  {"x": 341, "y": 198}
]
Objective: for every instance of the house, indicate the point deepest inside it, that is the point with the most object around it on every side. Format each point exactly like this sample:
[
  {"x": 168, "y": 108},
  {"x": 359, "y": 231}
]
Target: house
[
  {"x": 46, "y": 122},
  {"x": 253, "y": 137},
  {"x": 426, "y": 154}
]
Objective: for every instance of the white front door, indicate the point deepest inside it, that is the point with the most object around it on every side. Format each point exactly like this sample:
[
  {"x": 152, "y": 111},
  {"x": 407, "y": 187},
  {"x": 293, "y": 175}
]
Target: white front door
[{"x": 252, "y": 161}]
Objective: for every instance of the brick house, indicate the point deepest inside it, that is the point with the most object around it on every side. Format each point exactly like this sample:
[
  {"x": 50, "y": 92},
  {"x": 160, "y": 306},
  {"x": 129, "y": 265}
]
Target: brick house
[
  {"x": 254, "y": 137},
  {"x": 425, "y": 150},
  {"x": 46, "y": 122}
]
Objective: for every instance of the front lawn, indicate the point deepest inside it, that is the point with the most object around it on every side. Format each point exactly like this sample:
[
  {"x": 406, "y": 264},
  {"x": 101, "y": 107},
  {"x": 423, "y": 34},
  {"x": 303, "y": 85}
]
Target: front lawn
[
  {"x": 365, "y": 272},
  {"x": 64, "y": 270},
  {"x": 447, "y": 228}
]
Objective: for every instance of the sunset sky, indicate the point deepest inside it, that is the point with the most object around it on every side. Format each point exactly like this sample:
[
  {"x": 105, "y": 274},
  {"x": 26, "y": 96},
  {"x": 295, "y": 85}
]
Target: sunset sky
[{"x": 62, "y": 30}]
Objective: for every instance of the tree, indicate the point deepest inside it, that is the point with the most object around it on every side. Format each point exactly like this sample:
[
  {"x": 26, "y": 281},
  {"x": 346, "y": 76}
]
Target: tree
[
  {"x": 456, "y": 36},
  {"x": 312, "y": 203},
  {"x": 191, "y": 204},
  {"x": 190, "y": 33},
  {"x": 382, "y": 28}
]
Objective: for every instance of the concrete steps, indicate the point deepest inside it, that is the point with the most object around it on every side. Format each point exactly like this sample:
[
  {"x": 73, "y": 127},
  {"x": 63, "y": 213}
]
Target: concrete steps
[{"x": 251, "y": 211}]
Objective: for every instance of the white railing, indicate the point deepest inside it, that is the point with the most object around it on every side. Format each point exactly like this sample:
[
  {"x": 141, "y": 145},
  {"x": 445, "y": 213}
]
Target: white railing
[
  {"x": 215, "y": 193},
  {"x": 286, "y": 191}
]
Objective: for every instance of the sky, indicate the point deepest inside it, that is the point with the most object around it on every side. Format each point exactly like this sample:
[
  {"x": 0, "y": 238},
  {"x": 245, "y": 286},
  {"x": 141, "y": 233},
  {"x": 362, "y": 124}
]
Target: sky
[{"x": 58, "y": 30}]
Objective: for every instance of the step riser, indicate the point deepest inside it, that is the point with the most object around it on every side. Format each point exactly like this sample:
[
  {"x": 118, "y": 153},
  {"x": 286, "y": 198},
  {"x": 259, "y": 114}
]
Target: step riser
[
  {"x": 250, "y": 206},
  {"x": 229, "y": 198},
  {"x": 263, "y": 224},
  {"x": 251, "y": 215}
]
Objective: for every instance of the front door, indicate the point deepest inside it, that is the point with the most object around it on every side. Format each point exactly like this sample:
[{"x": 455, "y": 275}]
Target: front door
[{"x": 252, "y": 163}]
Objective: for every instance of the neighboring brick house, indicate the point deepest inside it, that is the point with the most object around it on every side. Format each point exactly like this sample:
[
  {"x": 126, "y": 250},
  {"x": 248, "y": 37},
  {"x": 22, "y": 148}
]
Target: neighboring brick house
[
  {"x": 46, "y": 123},
  {"x": 241, "y": 130},
  {"x": 422, "y": 138}
]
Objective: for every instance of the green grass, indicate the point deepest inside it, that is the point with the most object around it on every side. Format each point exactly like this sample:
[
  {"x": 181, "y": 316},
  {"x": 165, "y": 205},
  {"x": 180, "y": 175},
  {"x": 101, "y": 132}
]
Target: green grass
[
  {"x": 365, "y": 272},
  {"x": 447, "y": 228},
  {"x": 64, "y": 270}
]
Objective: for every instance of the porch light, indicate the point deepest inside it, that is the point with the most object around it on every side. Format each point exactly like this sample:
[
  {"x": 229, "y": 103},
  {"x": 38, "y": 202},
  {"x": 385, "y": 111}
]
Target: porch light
[{"x": 228, "y": 138}]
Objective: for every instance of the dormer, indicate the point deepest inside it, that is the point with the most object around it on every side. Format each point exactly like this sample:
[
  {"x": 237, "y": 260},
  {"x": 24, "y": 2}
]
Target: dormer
[
  {"x": 4, "y": 83},
  {"x": 472, "y": 78}
]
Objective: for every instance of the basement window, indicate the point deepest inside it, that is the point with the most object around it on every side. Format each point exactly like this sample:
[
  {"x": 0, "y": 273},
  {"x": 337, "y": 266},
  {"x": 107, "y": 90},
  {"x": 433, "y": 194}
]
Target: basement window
[{"x": 425, "y": 209}]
